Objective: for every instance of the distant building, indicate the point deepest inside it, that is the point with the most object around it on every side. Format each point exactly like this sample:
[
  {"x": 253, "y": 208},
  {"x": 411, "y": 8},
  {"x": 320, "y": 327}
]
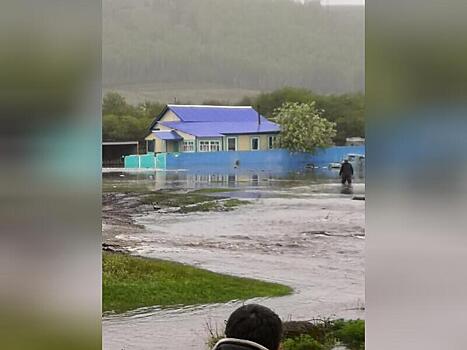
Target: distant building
[
  {"x": 354, "y": 141},
  {"x": 201, "y": 128},
  {"x": 113, "y": 153}
]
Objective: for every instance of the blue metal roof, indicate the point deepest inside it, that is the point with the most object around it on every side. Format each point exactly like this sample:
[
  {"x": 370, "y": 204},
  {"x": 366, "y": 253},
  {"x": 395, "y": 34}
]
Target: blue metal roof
[
  {"x": 167, "y": 135},
  {"x": 206, "y": 129},
  {"x": 216, "y": 121},
  {"x": 200, "y": 113}
]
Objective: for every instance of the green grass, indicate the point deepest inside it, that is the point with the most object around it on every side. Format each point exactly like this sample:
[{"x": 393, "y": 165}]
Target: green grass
[
  {"x": 203, "y": 207},
  {"x": 213, "y": 190},
  {"x": 131, "y": 282},
  {"x": 232, "y": 203},
  {"x": 194, "y": 201},
  {"x": 172, "y": 199},
  {"x": 303, "y": 342},
  {"x": 326, "y": 334}
]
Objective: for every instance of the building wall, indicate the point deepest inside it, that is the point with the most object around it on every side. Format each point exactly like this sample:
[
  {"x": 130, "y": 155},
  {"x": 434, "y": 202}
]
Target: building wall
[
  {"x": 186, "y": 136},
  {"x": 244, "y": 142},
  {"x": 150, "y": 137},
  {"x": 172, "y": 146},
  {"x": 160, "y": 146},
  {"x": 169, "y": 116}
]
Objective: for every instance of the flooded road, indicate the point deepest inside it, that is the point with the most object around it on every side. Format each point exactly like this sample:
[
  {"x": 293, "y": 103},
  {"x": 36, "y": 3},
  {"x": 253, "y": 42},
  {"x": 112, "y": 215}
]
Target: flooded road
[{"x": 304, "y": 231}]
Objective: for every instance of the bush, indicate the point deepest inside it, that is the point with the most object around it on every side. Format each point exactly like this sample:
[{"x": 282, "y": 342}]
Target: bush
[
  {"x": 304, "y": 342},
  {"x": 352, "y": 334}
]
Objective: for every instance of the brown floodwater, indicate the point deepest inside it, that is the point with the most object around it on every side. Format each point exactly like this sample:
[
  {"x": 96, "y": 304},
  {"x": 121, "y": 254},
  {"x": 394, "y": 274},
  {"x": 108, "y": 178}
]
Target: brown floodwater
[{"x": 304, "y": 231}]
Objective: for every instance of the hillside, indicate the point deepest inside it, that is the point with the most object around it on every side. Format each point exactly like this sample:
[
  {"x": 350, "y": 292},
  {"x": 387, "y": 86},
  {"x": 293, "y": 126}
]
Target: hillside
[{"x": 161, "y": 47}]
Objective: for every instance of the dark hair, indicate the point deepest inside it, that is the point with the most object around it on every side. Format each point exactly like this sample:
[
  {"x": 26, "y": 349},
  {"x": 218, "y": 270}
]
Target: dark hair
[{"x": 255, "y": 323}]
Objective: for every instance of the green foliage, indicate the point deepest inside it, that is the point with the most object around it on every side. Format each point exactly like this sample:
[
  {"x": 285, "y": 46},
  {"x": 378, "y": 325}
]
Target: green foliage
[
  {"x": 124, "y": 122},
  {"x": 251, "y": 44},
  {"x": 302, "y": 127},
  {"x": 124, "y": 128},
  {"x": 303, "y": 342},
  {"x": 352, "y": 334},
  {"x": 346, "y": 110},
  {"x": 130, "y": 282},
  {"x": 114, "y": 103}
]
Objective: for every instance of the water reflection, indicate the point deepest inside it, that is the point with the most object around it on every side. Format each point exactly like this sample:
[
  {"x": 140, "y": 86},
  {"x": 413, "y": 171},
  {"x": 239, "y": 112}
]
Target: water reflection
[
  {"x": 346, "y": 189},
  {"x": 232, "y": 178}
]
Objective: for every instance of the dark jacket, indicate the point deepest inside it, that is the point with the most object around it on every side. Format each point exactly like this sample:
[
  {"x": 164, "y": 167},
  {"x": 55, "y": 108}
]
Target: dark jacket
[{"x": 346, "y": 169}]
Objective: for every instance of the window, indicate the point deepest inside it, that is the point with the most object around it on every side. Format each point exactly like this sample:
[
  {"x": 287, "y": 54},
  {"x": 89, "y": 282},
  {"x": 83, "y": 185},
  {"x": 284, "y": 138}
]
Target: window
[
  {"x": 204, "y": 146},
  {"x": 231, "y": 143},
  {"x": 272, "y": 142},
  {"x": 255, "y": 179},
  {"x": 209, "y": 146},
  {"x": 255, "y": 143},
  {"x": 151, "y": 145},
  {"x": 188, "y": 146},
  {"x": 215, "y": 146}
]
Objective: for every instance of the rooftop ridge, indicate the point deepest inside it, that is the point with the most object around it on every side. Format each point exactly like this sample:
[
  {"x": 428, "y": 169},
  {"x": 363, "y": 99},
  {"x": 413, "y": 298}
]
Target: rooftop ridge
[{"x": 208, "y": 106}]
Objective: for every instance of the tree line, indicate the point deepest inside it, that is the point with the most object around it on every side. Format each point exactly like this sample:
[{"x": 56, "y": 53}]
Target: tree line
[
  {"x": 126, "y": 122},
  {"x": 248, "y": 44}
]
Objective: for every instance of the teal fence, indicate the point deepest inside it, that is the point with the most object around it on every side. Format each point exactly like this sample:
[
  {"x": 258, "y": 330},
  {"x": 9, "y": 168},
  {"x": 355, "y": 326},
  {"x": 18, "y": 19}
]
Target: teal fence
[
  {"x": 143, "y": 161},
  {"x": 268, "y": 160}
]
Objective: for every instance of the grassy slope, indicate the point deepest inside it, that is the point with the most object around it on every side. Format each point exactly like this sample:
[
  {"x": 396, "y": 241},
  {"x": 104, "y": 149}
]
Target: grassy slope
[{"x": 132, "y": 282}]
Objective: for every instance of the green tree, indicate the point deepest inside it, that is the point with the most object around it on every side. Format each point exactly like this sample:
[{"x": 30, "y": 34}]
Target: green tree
[
  {"x": 114, "y": 103},
  {"x": 303, "y": 129},
  {"x": 124, "y": 128},
  {"x": 346, "y": 110}
]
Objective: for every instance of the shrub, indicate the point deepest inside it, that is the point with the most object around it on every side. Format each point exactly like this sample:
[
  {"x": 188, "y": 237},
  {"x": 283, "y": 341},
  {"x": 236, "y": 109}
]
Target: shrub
[
  {"x": 352, "y": 334},
  {"x": 304, "y": 342}
]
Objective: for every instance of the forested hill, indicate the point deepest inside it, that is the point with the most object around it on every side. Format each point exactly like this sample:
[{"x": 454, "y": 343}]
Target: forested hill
[{"x": 243, "y": 44}]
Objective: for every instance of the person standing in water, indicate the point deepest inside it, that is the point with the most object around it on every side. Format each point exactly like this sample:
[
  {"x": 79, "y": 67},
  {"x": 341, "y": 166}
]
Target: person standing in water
[{"x": 346, "y": 172}]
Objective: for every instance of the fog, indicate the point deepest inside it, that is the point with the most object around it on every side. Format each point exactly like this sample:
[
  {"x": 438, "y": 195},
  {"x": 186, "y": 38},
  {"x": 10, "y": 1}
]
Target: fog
[{"x": 255, "y": 45}]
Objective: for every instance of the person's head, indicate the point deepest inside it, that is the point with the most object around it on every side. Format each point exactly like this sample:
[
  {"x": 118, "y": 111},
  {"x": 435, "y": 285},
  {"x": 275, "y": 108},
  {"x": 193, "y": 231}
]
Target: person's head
[
  {"x": 346, "y": 160},
  {"x": 255, "y": 323}
]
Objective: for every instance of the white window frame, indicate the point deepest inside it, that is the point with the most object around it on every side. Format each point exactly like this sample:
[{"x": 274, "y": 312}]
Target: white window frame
[
  {"x": 210, "y": 144},
  {"x": 272, "y": 145},
  {"x": 200, "y": 149},
  {"x": 185, "y": 142},
  {"x": 259, "y": 143},
  {"x": 219, "y": 146},
  {"x": 236, "y": 144}
]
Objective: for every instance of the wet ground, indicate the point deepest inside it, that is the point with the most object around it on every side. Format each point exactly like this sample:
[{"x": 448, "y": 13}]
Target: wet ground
[{"x": 301, "y": 229}]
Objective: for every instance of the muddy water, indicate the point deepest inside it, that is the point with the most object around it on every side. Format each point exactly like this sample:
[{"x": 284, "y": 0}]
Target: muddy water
[{"x": 303, "y": 231}]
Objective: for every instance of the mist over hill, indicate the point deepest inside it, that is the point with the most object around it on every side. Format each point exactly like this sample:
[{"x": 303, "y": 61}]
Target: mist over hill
[{"x": 251, "y": 45}]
